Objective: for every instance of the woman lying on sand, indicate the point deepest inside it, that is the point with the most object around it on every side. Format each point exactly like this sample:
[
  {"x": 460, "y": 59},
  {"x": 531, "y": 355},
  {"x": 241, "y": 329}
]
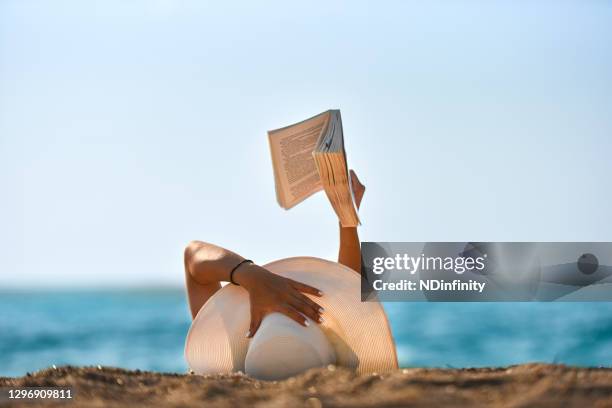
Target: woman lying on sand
[
  {"x": 206, "y": 265},
  {"x": 275, "y": 306}
]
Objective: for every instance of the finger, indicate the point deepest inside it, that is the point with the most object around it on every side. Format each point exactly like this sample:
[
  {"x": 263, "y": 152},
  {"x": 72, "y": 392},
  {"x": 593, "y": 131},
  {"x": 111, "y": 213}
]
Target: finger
[
  {"x": 302, "y": 287},
  {"x": 314, "y": 305},
  {"x": 293, "y": 314},
  {"x": 306, "y": 309},
  {"x": 255, "y": 322}
]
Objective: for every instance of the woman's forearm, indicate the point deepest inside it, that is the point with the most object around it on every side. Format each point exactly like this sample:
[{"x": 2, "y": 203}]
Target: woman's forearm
[
  {"x": 206, "y": 266},
  {"x": 350, "y": 249},
  {"x": 208, "y": 263}
]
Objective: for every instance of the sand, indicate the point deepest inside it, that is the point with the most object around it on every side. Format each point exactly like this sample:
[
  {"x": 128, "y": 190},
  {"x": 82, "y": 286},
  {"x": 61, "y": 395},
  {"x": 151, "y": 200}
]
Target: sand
[{"x": 516, "y": 386}]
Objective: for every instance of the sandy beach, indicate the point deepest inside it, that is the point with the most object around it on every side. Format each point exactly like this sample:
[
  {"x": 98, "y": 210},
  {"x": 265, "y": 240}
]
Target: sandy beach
[{"x": 516, "y": 386}]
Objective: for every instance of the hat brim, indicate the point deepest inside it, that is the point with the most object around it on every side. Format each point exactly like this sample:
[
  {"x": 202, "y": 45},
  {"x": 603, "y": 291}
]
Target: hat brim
[{"x": 358, "y": 331}]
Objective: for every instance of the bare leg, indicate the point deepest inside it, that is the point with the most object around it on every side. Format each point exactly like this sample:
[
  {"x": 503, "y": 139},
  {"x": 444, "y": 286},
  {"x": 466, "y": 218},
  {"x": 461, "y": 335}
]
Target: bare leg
[{"x": 350, "y": 249}]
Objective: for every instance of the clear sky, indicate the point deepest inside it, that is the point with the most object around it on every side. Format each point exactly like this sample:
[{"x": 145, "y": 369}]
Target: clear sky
[{"x": 129, "y": 127}]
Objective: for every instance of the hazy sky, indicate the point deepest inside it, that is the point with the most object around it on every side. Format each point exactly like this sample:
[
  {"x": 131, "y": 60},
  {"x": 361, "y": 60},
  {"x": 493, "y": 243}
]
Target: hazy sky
[{"x": 128, "y": 128}]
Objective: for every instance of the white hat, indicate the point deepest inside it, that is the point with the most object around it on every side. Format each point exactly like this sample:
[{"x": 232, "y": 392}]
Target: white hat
[{"x": 355, "y": 334}]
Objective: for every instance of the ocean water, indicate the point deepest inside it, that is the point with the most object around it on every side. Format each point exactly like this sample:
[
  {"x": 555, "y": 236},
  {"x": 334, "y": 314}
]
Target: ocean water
[{"x": 146, "y": 330}]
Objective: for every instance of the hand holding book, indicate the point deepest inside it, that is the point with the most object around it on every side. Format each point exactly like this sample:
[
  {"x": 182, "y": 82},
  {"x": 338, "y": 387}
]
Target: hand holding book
[{"x": 309, "y": 156}]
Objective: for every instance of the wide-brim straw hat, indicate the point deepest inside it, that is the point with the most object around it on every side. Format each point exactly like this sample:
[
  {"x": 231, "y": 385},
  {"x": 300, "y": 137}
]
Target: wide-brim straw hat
[{"x": 356, "y": 334}]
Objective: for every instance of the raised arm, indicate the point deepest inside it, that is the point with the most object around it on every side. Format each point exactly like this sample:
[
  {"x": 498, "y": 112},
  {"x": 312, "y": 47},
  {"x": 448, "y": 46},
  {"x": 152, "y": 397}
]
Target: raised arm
[
  {"x": 206, "y": 265},
  {"x": 350, "y": 249}
]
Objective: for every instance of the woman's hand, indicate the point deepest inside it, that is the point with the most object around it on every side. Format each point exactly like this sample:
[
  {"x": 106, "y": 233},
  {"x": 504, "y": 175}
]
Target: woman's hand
[
  {"x": 350, "y": 248},
  {"x": 270, "y": 293}
]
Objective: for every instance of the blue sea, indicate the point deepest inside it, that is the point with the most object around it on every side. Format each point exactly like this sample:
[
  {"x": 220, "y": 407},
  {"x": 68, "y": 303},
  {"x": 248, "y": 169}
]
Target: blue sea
[{"x": 146, "y": 329}]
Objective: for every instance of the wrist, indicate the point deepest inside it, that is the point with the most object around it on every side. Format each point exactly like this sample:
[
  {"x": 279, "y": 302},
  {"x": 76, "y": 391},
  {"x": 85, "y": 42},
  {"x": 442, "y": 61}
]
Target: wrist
[
  {"x": 347, "y": 230},
  {"x": 246, "y": 274}
]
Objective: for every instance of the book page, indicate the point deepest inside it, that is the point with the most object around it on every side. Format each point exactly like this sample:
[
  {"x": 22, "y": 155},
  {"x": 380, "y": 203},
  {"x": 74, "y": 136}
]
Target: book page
[{"x": 295, "y": 172}]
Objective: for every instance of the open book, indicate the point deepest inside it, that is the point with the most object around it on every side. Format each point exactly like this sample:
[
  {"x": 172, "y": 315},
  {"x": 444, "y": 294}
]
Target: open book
[{"x": 309, "y": 156}]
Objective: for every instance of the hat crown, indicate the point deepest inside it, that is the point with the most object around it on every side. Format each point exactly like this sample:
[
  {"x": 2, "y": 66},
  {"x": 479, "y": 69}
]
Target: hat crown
[
  {"x": 282, "y": 348},
  {"x": 357, "y": 331}
]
